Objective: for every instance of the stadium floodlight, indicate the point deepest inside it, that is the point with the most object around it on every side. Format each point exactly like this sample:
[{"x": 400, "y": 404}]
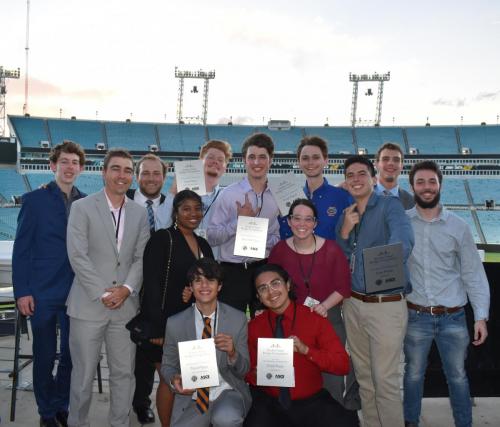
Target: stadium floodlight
[
  {"x": 100, "y": 146},
  {"x": 44, "y": 144},
  {"x": 362, "y": 151},
  {"x": 375, "y": 77},
  {"x": 201, "y": 75},
  {"x": 5, "y": 74},
  {"x": 153, "y": 148},
  {"x": 414, "y": 151},
  {"x": 466, "y": 151}
]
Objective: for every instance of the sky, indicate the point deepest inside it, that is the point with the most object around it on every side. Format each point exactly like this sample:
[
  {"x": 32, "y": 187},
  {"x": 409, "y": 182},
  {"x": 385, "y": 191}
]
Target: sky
[{"x": 288, "y": 60}]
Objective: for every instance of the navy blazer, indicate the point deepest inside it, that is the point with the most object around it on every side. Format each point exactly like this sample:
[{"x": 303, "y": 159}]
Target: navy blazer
[{"x": 40, "y": 264}]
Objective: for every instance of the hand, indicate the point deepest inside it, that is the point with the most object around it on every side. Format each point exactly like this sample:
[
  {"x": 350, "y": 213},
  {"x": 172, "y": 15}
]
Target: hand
[
  {"x": 245, "y": 209},
  {"x": 351, "y": 218},
  {"x": 480, "y": 332},
  {"x": 187, "y": 292},
  {"x": 26, "y": 305},
  {"x": 176, "y": 381},
  {"x": 320, "y": 309},
  {"x": 224, "y": 342},
  {"x": 157, "y": 341},
  {"x": 116, "y": 298},
  {"x": 299, "y": 346}
]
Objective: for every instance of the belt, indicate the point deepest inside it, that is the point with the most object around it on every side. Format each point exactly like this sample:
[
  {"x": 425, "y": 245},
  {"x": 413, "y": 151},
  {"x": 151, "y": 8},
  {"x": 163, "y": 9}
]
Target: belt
[
  {"x": 435, "y": 310},
  {"x": 378, "y": 297},
  {"x": 245, "y": 265}
]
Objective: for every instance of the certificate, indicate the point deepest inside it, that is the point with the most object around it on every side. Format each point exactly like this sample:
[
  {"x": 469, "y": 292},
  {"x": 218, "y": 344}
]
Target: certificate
[
  {"x": 198, "y": 363},
  {"x": 189, "y": 175},
  {"x": 383, "y": 267},
  {"x": 251, "y": 237},
  {"x": 275, "y": 362},
  {"x": 285, "y": 190}
]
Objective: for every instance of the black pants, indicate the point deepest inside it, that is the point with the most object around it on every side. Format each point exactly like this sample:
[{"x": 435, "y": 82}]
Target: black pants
[
  {"x": 319, "y": 410},
  {"x": 144, "y": 372},
  {"x": 238, "y": 289}
]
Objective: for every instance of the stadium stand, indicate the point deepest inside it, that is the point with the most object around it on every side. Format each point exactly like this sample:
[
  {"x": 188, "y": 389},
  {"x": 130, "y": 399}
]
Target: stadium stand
[
  {"x": 453, "y": 192},
  {"x": 192, "y": 137},
  {"x": 133, "y": 136},
  {"x": 339, "y": 138},
  {"x": 285, "y": 141},
  {"x": 85, "y": 132},
  {"x": 467, "y": 217},
  {"x": 480, "y": 139},
  {"x": 235, "y": 135},
  {"x": 12, "y": 185},
  {"x": 485, "y": 189},
  {"x": 433, "y": 139},
  {"x": 30, "y": 131},
  {"x": 489, "y": 223},
  {"x": 373, "y": 138},
  {"x": 8, "y": 223},
  {"x": 36, "y": 180}
]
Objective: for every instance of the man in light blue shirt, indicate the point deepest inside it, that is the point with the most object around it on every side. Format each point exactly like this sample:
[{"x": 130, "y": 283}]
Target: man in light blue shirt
[
  {"x": 445, "y": 270},
  {"x": 389, "y": 164}
]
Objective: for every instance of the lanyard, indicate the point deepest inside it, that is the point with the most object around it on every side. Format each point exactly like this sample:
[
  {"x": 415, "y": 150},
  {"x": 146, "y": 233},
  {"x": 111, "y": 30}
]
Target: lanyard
[
  {"x": 117, "y": 223},
  {"x": 306, "y": 278},
  {"x": 213, "y": 201},
  {"x": 261, "y": 201}
]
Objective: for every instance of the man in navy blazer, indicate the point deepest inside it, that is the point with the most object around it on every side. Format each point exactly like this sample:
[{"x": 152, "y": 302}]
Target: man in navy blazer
[{"x": 42, "y": 277}]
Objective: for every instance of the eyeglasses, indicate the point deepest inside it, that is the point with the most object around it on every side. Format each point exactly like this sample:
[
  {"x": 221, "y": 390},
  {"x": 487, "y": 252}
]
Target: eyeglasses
[
  {"x": 306, "y": 219},
  {"x": 266, "y": 287}
]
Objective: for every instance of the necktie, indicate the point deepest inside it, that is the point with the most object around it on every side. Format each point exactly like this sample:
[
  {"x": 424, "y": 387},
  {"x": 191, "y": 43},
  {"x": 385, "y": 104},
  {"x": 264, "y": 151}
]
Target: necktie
[
  {"x": 151, "y": 215},
  {"x": 386, "y": 193},
  {"x": 284, "y": 396},
  {"x": 202, "y": 393}
]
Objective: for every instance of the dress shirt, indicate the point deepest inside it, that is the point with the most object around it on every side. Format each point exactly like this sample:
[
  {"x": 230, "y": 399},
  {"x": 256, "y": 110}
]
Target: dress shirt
[
  {"x": 200, "y": 324},
  {"x": 162, "y": 211},
  {"x": 379, "y": 189},
  {"x": 326, "y": 352},
  {"x": 330, "y": 202},
  {"x": 384, "y": 222},
  {"x": 221, "y": 229},
  {"x": 445, "y": 267}
]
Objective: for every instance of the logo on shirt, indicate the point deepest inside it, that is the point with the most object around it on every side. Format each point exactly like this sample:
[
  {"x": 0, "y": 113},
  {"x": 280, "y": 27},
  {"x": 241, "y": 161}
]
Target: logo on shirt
[{"x": 331, "y": 211}]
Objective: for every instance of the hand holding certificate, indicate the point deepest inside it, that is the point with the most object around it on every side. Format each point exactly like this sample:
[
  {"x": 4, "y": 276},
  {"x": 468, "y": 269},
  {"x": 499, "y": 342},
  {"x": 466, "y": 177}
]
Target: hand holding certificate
[
  {"x": 198, "y": 364},
  {"x": 251, "y": 237},
  {"x": 275, "y": 362},
  {"x": 285, "y": 190},
  {"x": 189, "y": 175}
]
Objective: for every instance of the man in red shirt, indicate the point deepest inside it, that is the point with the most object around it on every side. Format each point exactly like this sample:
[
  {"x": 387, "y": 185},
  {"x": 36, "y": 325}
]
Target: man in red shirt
[{"x": 316, "y": 349}]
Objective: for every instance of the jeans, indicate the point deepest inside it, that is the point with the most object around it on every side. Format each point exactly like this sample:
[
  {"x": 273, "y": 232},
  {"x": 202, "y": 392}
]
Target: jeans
[{"x": 452, "y": 339}]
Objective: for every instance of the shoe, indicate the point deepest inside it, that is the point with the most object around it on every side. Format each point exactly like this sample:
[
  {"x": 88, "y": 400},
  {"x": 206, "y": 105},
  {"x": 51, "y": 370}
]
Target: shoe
[
  {"x": 48, "y": 422},
  {"x": 145, "y": 415},
  {"x": 62, "y": 418}
]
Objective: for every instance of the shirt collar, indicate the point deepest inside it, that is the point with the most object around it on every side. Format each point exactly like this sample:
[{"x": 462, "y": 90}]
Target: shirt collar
[
  {"x": 394, "y": 191},
  {"x": 287, "y": 314},
  {"x": 443, "y": 214},
  {"x": 318, "y": 190},
  {"x": 142, "y": 199},
  {"x": 246, "y": 187},
  {"x": 111, "y": 205}
]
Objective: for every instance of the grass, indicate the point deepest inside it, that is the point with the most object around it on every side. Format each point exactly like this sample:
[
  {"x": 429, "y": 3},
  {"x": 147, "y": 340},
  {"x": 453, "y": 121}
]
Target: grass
[{"x": 492, "y": 257}]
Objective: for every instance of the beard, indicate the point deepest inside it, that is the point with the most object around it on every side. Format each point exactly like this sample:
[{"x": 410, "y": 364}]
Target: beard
[{"x": 427, "y": 205}]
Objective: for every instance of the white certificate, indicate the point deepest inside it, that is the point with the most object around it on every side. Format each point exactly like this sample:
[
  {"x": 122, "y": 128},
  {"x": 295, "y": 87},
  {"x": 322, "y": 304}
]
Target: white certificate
[
  {"x": 198, "y": 363},
  {"x": 251, "y": 237},
  {"x": 189, "y": 175},
  {"x": 285, "y": 190},
  {"x": 275, "y": 362}
]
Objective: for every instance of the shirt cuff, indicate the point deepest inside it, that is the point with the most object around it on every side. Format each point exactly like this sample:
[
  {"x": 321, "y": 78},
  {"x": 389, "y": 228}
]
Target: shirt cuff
[{"x": 133, "y": 293}]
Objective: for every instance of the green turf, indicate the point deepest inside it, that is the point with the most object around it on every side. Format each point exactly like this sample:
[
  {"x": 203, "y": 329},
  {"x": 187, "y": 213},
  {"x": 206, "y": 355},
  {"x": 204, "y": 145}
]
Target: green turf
[{"x": 492, "y": 257}]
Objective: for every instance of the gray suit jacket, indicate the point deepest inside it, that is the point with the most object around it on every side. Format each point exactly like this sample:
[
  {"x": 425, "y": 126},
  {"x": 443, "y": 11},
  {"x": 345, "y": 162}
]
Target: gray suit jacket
[
  {"x": 94, "y": 256},
  {"x": 181, "y": 327},
  {"x": 406, "y": 198}
]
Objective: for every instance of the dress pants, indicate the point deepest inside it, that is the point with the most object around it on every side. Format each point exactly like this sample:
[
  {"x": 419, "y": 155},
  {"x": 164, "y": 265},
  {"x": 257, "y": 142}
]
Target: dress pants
[
  {"x": 51, "y": 392},
  {"x": 375, "y": 333},
  {"x": 86, "y": 338},
  {"x": 144, "y": 373}
]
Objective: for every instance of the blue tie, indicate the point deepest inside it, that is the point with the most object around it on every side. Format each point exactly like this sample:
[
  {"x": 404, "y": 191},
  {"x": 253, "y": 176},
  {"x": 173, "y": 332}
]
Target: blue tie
[{"x": 151, "y": 215}]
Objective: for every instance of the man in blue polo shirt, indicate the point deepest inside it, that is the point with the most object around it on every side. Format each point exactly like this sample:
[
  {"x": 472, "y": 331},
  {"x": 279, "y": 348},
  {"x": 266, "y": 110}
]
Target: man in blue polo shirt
[{"x": 330, "y": 201}]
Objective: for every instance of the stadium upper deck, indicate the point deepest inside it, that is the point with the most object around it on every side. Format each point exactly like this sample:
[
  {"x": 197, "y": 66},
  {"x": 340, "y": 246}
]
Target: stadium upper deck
[{"x": 469, "y": 156}]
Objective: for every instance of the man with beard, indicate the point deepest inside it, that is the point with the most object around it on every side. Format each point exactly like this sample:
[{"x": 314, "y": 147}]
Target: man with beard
[
  {"x": 445, "y": 270},
  {"x": 330, "y": 201},
  {"x": 150, "y": 174},
  {"x": 389, "y": 164}
]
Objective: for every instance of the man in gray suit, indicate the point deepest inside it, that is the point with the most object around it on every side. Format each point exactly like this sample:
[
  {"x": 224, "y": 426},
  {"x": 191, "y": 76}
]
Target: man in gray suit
[
  {"x": 106, "y": 239},
  {"x": 389, "y": 164},
  {"x": 228, "y": 403}
]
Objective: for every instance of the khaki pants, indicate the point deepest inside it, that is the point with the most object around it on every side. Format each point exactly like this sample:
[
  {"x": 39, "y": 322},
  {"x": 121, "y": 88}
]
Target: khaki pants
[{"x": 375, "y": 333}]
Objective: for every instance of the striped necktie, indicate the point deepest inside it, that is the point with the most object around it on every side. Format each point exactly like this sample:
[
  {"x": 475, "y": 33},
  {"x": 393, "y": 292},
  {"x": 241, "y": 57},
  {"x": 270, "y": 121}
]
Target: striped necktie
[
  {"x": 202, "y": 393},
  {"x": 151, "y": 215}
]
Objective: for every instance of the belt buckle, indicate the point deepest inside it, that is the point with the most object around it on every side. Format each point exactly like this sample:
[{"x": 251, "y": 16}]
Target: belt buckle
[
  {"x": 380, "y": 298},
  {"x": 432, "y": 310}
]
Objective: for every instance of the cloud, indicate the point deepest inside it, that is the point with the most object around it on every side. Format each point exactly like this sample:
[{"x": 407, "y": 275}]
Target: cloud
[
  {"x": 447, "y": 102},
  {"x": 238, "y": 120},
  {"x": 487, "y": 96}
]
